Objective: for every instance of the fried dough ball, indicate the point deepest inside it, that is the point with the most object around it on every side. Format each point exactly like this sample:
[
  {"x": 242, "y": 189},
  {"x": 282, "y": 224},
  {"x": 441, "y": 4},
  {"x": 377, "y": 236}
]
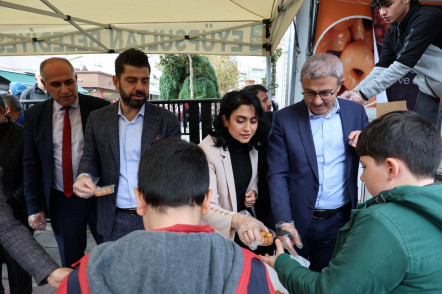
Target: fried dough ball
[
  {"x": 358, "y": 61},
  {"x": 338, "y": 40},
  {"x": 268, "y": 238},
  {"x": 359, "y": 32}
]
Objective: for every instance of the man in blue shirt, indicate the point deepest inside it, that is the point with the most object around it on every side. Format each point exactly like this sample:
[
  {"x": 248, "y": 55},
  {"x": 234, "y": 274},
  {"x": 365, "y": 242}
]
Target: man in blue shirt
[
  {"x": 115, "y": 139},
  {"x": 313, "y": 168}
]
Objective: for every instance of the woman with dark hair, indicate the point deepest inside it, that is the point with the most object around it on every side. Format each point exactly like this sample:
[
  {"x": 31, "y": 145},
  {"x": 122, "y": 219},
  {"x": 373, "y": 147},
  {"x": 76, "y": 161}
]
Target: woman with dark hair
[{"x": 231, "y": 150}]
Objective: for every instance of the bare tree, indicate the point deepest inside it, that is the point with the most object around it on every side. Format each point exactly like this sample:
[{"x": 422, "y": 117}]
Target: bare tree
[{"x": 192, "y": 95}]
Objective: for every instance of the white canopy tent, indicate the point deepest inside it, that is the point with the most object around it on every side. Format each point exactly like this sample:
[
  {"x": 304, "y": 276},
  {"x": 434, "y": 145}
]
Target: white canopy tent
[{"x": 221, "y": 27}]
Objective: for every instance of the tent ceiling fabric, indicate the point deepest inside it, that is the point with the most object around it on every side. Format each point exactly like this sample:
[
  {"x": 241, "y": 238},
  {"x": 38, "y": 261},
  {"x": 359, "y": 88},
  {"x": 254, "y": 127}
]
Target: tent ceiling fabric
[{"x": 221, "y": 27}]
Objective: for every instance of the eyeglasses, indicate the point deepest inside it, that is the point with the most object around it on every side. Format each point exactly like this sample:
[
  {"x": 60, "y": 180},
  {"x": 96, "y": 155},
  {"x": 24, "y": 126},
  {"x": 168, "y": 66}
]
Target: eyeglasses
[{"x": 323, "y": 94}]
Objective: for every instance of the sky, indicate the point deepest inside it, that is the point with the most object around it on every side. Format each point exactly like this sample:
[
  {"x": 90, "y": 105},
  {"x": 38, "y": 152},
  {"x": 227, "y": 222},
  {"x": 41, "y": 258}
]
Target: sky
[{"x": 96, "y": 62}]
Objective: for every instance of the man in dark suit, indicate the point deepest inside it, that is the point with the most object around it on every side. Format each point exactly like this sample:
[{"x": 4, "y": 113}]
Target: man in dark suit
[
  {"x": 116, "y": 137},
  {"x": 11, "y": 157},
  {"x": 261, "y": 92},
  {"x": 22, "y": 246},
  {"x": 53, "y": 136},
  {"x": 312, "y": 165}
]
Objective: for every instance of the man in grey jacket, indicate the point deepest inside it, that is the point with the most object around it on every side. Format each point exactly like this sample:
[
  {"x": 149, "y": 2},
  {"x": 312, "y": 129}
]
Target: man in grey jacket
[
  {"x": 37, "y": 92},
  {"x": 115, "y": 138}
]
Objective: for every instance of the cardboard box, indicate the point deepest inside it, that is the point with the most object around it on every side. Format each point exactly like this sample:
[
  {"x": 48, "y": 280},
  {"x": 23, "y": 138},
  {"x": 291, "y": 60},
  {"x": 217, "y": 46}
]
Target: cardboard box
[{"x": 383, "y": 108}]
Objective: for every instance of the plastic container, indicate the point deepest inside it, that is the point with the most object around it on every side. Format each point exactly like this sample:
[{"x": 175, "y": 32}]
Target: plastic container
[{"x": 105, "y": 190}]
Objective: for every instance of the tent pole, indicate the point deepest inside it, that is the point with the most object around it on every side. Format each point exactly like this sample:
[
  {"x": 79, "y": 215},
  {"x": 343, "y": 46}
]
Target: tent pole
[
  {"x": 292, "y": 57},
  {"x": 269, "y": 70},
  {"x": 312, "y": 28}
]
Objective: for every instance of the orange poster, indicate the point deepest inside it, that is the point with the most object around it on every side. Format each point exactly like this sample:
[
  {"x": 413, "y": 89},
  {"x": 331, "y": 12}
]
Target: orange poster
[
  {"x": 345, "y": 28},
  {"x": 354, "y": 31}
]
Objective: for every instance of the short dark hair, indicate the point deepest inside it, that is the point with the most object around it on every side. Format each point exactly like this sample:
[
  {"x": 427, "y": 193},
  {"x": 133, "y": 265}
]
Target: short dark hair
[
  {"x": 2, "y": 102},
  {"x": 132, "y": 57},
  {"x": 255, "y": 88},
  {"x": 13, "y": 102},
  {"x": 404, "y": 135},
  {"x": 173, "y": 173},
  {"x": 229, "y": 103},
  {"x": 379, "y": 3}
]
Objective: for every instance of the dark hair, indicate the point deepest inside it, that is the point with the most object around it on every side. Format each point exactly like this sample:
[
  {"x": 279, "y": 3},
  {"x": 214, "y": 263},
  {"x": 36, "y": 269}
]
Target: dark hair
[
  {"x": 404, "y": 135},
  {"x": 2, "y": 103},
  {"x": 49, "y": 60},
  {"x": 379, "y": 3},
  {"x": 256, "y": 88},
  {"x": 13, "y": 102},
  {"x": 173, "y": 173},
  {"x": 229, "y": 103},
  {"x": 132, "y": 57}
]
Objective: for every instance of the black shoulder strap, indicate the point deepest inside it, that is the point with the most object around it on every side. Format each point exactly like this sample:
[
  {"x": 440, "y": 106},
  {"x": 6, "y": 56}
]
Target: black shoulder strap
[
  {"x": 258, "y": 281},
  {"x": 73, "y": 284}
]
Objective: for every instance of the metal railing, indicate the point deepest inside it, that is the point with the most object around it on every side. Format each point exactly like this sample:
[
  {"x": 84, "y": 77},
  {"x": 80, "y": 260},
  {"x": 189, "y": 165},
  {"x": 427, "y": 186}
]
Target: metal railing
[{"x": 195, "y": 115}]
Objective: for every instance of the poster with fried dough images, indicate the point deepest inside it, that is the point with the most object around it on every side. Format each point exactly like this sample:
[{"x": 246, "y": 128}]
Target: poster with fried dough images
[
  {"x": 345, "y": 28},
  {"x": 354, "y": 31}
]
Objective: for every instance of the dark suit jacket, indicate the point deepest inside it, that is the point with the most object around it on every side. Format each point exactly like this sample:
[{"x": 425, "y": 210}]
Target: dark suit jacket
[
  {"x": 293, "y": 170},
  {"x": 38, "y": 154},
  {"x": 101, "y": 154},
  {"x": 22, "y": 246},
  {"x": 11, "y": 157}
]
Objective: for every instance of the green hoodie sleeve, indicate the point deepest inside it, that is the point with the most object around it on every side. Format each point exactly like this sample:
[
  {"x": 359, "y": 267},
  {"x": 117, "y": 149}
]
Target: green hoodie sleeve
[{"x": 372, "y": 259}]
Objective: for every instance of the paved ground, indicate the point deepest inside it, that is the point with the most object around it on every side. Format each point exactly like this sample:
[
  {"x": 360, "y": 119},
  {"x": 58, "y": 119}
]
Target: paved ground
[{"x": 47, "y": 240}]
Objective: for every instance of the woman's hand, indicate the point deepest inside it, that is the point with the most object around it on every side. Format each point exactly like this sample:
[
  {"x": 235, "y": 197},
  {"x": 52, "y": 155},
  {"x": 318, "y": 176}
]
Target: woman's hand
[
  {"x": 250, "y": 198},
  {"x": 248, "y": 229}
]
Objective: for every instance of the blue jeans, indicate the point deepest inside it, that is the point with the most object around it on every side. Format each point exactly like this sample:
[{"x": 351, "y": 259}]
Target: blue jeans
[{"x": 320, "y": 239}]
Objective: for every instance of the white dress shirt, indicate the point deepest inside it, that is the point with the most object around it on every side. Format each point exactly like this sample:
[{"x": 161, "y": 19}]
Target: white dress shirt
[{"x": 57, "y": 141}]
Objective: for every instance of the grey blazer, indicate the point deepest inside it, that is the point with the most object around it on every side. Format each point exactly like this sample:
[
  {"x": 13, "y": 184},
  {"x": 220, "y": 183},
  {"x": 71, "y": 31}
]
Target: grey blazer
[
  {"x": 22, "y": 246},
  {"x": 101, "y": 153},
  {"x": 222, "y": 183}
]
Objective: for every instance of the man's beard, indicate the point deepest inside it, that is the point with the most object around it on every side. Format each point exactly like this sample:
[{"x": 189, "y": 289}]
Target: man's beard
[{"x": 127, "y": 99}]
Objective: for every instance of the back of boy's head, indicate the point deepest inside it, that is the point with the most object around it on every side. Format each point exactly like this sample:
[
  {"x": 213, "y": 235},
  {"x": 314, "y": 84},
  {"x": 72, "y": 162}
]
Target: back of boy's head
[
  {"x": 404, "y": 135},
  {"x": 173, "y": 173}
]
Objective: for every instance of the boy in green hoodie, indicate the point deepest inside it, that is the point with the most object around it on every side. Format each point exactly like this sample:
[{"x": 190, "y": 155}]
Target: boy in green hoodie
[{"x": 392, "y": 243}]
